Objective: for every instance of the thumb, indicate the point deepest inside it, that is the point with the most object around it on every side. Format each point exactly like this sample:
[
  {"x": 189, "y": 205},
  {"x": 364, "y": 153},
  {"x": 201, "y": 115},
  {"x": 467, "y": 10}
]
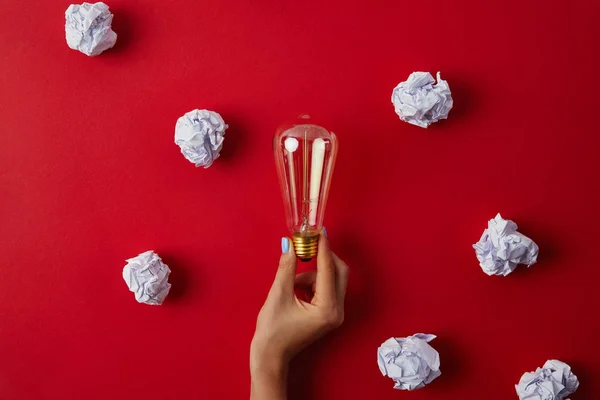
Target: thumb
[{"x": 286, "y": 272}]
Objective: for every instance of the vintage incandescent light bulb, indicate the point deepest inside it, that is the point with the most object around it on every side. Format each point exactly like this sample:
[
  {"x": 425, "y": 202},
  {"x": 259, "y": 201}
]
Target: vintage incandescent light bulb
[{"x": 305, "y": 157}]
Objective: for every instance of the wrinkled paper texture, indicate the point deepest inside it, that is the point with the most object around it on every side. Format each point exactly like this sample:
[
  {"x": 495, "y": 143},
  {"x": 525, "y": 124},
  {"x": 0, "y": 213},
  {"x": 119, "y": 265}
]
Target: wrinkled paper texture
[
  {"x": 411, "y": 362},
  {"x": 554, "y": 381},
  {"x": 88, "y": 28},
  {"x": 147, "y": 276},
  {"x": 200, "y": 135},
  {"x": 419, "y": 101},
  {"x": 501, "y": 248}
]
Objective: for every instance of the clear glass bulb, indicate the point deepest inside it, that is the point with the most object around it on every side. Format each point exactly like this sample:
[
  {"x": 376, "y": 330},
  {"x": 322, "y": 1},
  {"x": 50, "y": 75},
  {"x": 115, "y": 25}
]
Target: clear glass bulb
[{"x": 305, "y": 157}]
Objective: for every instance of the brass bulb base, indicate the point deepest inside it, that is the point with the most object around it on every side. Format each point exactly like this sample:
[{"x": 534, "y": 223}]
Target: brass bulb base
[{"x": 305, "y": 245}]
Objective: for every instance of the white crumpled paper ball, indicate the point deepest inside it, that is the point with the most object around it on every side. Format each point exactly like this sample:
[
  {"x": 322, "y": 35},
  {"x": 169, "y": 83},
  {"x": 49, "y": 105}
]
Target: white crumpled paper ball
[
  {"x": 419, "y": 102},
  {"x": 554, "y": 381},
  {"x": 88, "y": 28},
  {"x": 200, "y": 135},
  {"x": 148, "y": 277},
  {"x": 411, "y": 362},
  {"x": 501, "y": 248}
]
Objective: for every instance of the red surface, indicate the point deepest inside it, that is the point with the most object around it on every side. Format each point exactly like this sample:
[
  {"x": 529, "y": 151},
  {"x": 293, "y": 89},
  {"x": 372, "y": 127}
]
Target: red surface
[{"x": 89, "y": 176}]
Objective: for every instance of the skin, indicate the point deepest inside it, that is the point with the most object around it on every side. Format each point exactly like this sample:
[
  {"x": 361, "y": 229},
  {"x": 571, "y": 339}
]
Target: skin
[{"x": 287, "y": 324}]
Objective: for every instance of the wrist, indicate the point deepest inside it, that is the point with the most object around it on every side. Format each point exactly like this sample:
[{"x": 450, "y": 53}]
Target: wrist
[
  {"x": 268, "y": 377},
  {"x": 260, "y": 371},
  {"x": 266, "y": 363}
]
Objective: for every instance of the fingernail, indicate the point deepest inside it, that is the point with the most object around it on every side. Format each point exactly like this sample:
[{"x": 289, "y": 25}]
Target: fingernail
[
  {"x": 285, "y": 245},
  {"x": 325, "y": 232}
]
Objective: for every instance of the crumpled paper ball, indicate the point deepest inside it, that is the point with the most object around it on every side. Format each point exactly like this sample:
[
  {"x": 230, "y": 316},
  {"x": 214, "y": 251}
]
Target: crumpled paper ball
[
  {"x": 411, "y": 362},
  {"x": 148, "y": 277},
  {"x": 420, "y": 102},
  {"x": 200, "y": 135},
  {"x": 554, "y": 381},
  {"x": 88, "y": 28},
  {"x": 501, "y": 248}
]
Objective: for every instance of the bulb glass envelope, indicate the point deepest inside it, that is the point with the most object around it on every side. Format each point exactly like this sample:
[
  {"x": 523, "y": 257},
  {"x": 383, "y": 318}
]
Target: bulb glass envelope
[{"x": 305, "y": 157}]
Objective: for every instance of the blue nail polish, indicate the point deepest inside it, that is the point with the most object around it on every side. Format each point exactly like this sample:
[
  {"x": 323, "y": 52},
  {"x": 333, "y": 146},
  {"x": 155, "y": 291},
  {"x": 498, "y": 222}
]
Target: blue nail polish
[
  {"x": 285, "y": 245},
  {"x": 325, "y": 232}
]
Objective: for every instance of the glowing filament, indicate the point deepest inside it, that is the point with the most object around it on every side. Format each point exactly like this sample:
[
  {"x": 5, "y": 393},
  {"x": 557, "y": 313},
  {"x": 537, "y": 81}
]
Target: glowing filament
[{"x": 316, "y": 172}]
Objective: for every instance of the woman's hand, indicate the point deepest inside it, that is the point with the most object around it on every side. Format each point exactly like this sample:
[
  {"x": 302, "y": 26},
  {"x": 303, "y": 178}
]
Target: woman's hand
[{"x": 286, "y": 324}]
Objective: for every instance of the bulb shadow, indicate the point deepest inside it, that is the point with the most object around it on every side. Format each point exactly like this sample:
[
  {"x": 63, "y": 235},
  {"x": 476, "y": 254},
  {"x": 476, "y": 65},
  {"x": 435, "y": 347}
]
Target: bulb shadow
[
  {"x": 303, "y": 376},
  {"x": 362, "y": 284},
  {"x": 358, "y": 309}
]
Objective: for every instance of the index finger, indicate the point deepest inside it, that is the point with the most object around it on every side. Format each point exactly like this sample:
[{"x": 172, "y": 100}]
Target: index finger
[{"x": 325, "y": 285}]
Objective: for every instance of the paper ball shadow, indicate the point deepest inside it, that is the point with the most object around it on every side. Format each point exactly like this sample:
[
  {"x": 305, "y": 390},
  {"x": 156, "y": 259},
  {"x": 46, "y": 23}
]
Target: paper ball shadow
[
  {"x": 466, "y": 100},
  {"x": 358, "y": 309},
  {"x": 124, "y": 28},
  {"x": 450, "y": 364},
  {"x": 179, "y": 279},
  {"x": 585, "y": 389},
  {"x": 235, "y": 139},
  {"x": 549, "y": 252}
]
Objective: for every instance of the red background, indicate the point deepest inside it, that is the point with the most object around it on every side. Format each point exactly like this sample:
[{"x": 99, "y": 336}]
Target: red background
[{"x": 90, "y": 176}]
